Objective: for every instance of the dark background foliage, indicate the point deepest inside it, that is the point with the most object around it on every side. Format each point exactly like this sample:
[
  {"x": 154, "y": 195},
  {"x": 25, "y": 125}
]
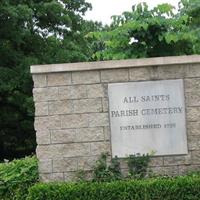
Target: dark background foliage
[{"x": 33, "y": 32}]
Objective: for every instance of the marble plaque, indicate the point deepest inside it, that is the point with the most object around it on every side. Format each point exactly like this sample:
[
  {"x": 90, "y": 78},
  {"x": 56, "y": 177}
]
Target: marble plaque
[{"x": 147, "y": 117}]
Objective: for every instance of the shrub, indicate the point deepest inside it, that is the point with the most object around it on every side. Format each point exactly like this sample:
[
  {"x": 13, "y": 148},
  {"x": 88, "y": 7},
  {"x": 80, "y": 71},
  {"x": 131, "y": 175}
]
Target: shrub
[
  {"x": 180, "y": 188},
  {"x": 104, "y": 172},
  {"x": 138, "y": 165},
  {"x": 16, "y": 177}
]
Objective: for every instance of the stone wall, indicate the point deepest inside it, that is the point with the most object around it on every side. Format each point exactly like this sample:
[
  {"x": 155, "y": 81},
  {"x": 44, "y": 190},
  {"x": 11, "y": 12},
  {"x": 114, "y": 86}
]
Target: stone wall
[{"x": 72, "y": 120}]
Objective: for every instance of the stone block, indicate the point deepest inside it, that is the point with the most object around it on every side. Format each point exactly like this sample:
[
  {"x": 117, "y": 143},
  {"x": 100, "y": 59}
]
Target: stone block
[
  {"x": 85, "y": 77},
  {"x": 73, "y": 92},
  {"x": 192, "y": 85},
  {"x": 74, "y": 121},
  {"x": 172, "y": 72},
  {"x": 196, "y": 157},
  {"x": 40, "y": 80},
  {"x": 105, "y": 104},
  {"x": 62, "y": 150},
  {"x": 97, "y": 148},
  {"x": 45, "y": 178},
  {"x": 192, "y": 98},
  {"x": 87, "y": 163},
  {"x": 45, "y": 94},
  {"x": 58, "y": 79},
  {"x": 79, "y": 91},
  {"x": 48, "y": 151},
  {"x": 77, "y": 135},
  {"x": 48, "y": 122},
  {"x": 87, "y": 105},
  {"x": 98, "y": 119},
  {"x": 177, "y": 160},
  {"x": 57, "y": 177},
  {"x": 52, "y": 93},
  {"x": 70, "y": 176},
  {"x": 193, "y": 70},
  {"x": 45, "y": 166},
  {"x": 76, "y": 149},
  {"x": 41, "y": 108},
  {"x": 89, "y": 134},
  {"x": 40, "y": 94},
  {"x": 96, "y": 90},
  {"x": 63, "y": 136},
  {"x": 185, "y": 169},
  {"x": 141, "y": 73},
  {"x": 43, "y": 137},
  {"x": 64, "y": 93},
  {"x": 64, "y": 165},
  {"x": 193, "y": 113},
  {"x": 194, "y": 142},
  {"x": 114, "y": 75},
  {"x": 60, "y": 107},
  {"x": 107, "y": 133},
  {"x": 123, "y": 163},
  {"x": 193, "y": 128},
  {"x": 49, "y": 177},
  {"x": 156, "y": 161},
  {"x": 165, "y": 171}
]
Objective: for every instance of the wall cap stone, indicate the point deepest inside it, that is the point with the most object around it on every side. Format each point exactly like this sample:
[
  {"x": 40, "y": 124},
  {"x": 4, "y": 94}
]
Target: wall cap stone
[{"x": 114, "y": 64}]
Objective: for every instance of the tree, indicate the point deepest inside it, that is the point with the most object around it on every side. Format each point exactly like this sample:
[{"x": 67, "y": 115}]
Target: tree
[
  {"x": 33, "y": 32},
  {"x": 191, "y": 8},
  {"x": 147, "y": 33}
]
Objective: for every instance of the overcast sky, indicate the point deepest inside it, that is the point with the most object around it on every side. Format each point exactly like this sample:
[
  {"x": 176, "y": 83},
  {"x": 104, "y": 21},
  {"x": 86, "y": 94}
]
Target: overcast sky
[{"x": 104, "y": 9}]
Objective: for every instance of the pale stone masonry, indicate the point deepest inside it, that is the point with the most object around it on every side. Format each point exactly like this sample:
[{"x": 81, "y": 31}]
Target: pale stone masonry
[{"x": 72, "y": 120}]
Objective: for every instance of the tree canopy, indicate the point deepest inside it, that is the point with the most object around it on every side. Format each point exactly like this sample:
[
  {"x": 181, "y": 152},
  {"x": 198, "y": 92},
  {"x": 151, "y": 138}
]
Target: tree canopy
[
  {"x": 145, "y": 32},
  {"x": 33, "y": 32}
]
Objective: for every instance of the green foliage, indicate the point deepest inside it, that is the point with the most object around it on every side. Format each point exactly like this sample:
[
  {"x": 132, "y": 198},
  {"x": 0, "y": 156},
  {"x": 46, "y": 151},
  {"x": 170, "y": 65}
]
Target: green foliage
[
  {"x": 80, "y": 176},
  {"x": 181, "y": 188},
  {"x": 34, "y": 32},
  {"x": 191, "y": 9},
  {"x": 103, "y": 172},
  {"x": 114, "y": 167},
  {"x": 149, "y": 33},
  {"x": 138, "y": 165},
  {"x": 16, "y": 177}
]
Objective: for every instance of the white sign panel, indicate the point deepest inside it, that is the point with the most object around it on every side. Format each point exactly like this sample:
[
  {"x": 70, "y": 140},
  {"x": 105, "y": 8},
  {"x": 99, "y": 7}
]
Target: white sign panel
[{"x": 147, "y": 117}]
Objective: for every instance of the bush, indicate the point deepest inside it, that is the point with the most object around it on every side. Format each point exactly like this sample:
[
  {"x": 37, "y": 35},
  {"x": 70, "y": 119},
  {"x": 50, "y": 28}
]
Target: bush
[
  {"x": 180, "y": 188},
  {"x": 104, "y": 172},
  {"x": 16, "y": 177}
]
